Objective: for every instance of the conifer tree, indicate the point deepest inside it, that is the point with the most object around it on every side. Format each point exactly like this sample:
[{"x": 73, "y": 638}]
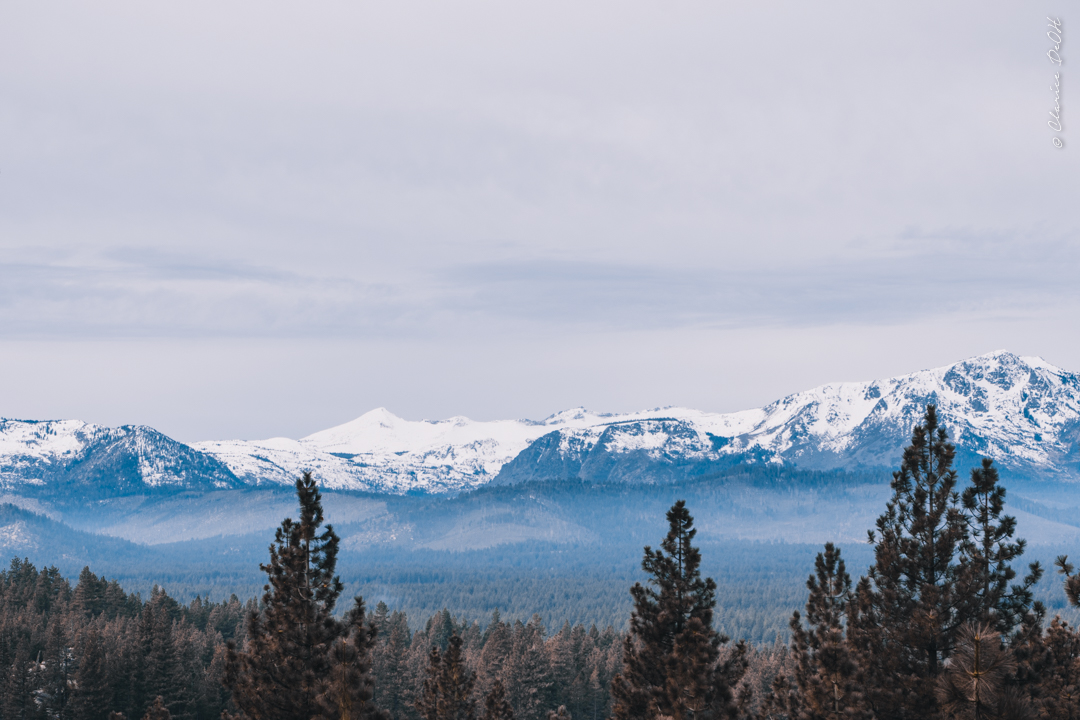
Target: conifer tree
[
  {"x": 389, "y": 661},
  {"x": 447, "y": 693},
  {"x": 670, "y": 656},
  {"x": 347, "y": 687},
  {"x": 92, "y": 698},
  {"x": 158, "y": 711},
  {"x": 527, "y": 673},
  {"x": 496, "y": 706},
  {"x": 974, "y": 684},
  {"x": 1055, "y": 683},
  {"x": 988, "y": 550},
  {"x": 912, "y": 604},
  {"x": 826, "y": 672},
  {"x": 279, "y": 672},
  {"x": 1072, "y": 582}
]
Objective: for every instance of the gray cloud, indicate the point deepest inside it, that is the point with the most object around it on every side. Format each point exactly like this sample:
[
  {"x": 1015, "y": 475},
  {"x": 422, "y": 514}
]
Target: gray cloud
[{"x": 421, "y": 175}]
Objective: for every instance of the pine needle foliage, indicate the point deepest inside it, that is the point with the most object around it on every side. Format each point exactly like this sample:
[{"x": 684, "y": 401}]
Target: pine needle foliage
[
  {"x": 910, "y": 607},
  {"x": 988, "y": 551},
  {"x": 300, "y": 662},
  {"x": 158, "y": 711},
  {"x": 447, "y": 691},
  {"x": 670, "y": 661},
  {"x": 826, "y": 676},
  {"x": 974, "y": 685},
  {"x": 1072, "y": 582},
  {"x": 496, "y": 706}
]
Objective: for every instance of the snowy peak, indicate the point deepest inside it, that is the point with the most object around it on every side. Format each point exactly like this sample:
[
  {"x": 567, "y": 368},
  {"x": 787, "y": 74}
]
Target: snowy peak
[
  {"x": 1021, "y": 411},
  {"x": 70, "y": 455}
]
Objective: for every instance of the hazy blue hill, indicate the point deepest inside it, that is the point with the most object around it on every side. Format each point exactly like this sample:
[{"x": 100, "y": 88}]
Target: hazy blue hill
[
  {"x": 567, "y": 549},
  {"x": 45, "y": 542}
]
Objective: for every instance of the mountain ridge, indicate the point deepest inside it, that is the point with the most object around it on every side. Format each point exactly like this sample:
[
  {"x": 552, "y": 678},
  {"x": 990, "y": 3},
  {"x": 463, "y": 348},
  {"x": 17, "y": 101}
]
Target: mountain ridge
[{"x": 1022, "y": 411}]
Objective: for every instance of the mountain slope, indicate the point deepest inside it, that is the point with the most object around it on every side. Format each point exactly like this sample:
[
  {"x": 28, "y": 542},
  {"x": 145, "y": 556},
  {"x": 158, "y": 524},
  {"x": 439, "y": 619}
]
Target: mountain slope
[
  {"x": 70, "y": 456},
  {"x": 1023, "y": 412}
]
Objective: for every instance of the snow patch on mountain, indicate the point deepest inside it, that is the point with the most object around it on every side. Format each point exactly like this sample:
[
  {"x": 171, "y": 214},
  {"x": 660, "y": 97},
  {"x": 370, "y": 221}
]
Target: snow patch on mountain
[
  {"x": 57, "y": 454},
  {"x": 1022, "y": 411}
]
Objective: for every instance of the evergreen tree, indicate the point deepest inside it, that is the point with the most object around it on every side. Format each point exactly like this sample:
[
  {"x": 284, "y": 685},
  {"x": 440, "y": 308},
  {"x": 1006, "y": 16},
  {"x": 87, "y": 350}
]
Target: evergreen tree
[
  {"x": 92, "y": 698},
  {"x": 1072, "y": 582},
  {"x": 495, "y": 705},
  {"x": 347, "y": 688},
  {"x": 526, "y": 672},
  {"x": 497, "y": 647},
  {"x": 988, "y": 550},
  {"x": 974, "y": 684},
  {"x": 158, "y": 711},
  {"x": 159, "y": 670},
  {"x": 447, "y": 693},
  {"x": 561, "y": 714},
  {"x": 825, "y": 672},
  {"x": 279, "y": 673},
  {"x": 670, "y": 656},
  {"x": 390, "y": 663},
  {"x": 58, "y": 665},
  {"x": 1055, "y": 685},
  {"x": 912, "y": 604}
]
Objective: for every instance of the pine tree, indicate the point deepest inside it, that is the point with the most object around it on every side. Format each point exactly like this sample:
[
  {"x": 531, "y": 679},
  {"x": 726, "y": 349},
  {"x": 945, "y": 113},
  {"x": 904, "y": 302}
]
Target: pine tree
[
  {"x": 526, "y": 672},
  {"x": 447, "y": 693},
  {"x": 561, "y": 714},
  {"x": 1072, "y": 582},
  {"x": 279, "y": 673},
  {"x": 58, "y": 667},
  {"x": 158, "y": 711},
  {"x": 495, "y": 705},
  {"x": 1055, "y": 688},
  {"x": 497, "y": 646},
  {"x": 92, "y": 699},
  {"x": 912, "y": 604},
  {"x": 347, "y": 688},
  {"x": 988, "y": 551},
  {"x": 670, "y": 656},
  {"x": 974, "y": 684},
  {"x": 159, "y": 670},
  {"x": 825, "y": 673},
  {"x": 390, "y": 664}
]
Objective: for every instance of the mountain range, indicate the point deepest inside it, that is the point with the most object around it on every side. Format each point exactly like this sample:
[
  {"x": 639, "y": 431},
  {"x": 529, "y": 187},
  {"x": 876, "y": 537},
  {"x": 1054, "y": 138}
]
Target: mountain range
[{"x": 1021, "y": 411}]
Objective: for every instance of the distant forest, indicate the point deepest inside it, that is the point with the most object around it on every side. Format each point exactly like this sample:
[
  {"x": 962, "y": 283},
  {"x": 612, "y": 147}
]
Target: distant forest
[{"x": 943, "y": 618}]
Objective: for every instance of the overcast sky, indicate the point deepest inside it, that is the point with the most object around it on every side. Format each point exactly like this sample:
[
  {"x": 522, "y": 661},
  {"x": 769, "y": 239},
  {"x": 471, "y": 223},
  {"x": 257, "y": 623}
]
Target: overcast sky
[{"x": 250, "y": 219}]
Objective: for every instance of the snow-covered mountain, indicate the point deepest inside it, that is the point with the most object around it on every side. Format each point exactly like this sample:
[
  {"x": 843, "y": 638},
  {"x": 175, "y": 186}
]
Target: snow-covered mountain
[
  {"x": 382, "y": 452},
  {"x": 72, "y": 456},
  {"x": 1023, "y": 412}
]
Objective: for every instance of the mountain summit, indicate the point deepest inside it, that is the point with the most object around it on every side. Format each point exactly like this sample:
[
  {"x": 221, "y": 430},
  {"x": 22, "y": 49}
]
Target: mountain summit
[{"x": 1021, "y": 411}]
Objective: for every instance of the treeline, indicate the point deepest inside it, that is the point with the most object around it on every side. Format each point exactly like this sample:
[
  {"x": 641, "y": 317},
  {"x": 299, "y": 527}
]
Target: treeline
[{"x": 91, "y": 650}]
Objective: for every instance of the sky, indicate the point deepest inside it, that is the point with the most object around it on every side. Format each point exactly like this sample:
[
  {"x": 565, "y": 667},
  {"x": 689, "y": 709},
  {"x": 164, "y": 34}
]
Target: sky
[{"x": 254, "y": 219}]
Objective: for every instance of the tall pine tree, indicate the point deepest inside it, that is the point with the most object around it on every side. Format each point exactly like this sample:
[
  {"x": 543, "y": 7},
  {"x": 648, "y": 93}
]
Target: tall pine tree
[
  {"x": 988, "y": 550},
  {"x": 292, "y": 644},
  {"x": 939, "y": 564},
  {"x": 826, "y": 667},
  {"x": 671, "y": 655},
  {"x": 447, "y": 692}
]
